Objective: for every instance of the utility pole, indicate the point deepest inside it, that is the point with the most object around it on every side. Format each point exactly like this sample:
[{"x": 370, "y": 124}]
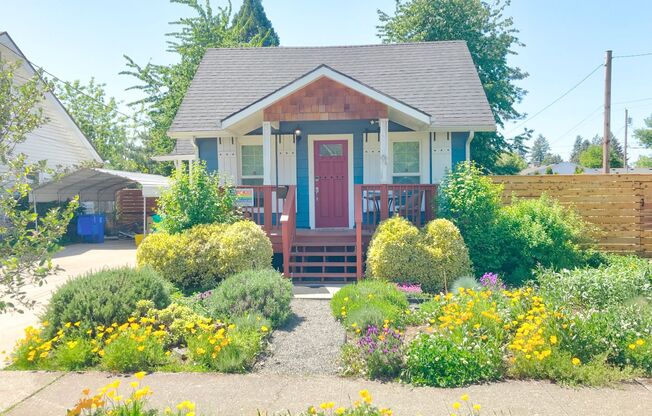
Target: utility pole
[
  {"x": 625, "y": 150},
  {"x": 607, "y": 114}
]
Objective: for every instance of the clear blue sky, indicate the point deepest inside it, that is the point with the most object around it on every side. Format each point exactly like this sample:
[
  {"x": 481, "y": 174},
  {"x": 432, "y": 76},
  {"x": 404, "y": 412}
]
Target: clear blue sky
[{"x": 564, "y": 41}]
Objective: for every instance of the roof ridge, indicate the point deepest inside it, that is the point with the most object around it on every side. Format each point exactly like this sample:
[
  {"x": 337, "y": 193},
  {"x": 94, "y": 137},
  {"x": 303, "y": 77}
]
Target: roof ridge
[{"x": 366, "y": 45}]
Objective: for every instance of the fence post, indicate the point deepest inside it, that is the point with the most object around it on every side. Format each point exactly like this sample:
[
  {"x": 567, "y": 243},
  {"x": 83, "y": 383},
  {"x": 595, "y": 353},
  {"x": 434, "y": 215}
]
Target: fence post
[
  {"x": 384, "y": 202},
  {"x": 267, "y": 207}
]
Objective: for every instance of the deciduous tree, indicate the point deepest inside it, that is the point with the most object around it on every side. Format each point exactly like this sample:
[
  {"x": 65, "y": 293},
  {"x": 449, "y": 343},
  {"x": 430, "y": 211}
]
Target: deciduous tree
[
  {"x": 25, "y": 249},
  {"x": 644, "y": 134},
  {"x": 491, "y": 39}
]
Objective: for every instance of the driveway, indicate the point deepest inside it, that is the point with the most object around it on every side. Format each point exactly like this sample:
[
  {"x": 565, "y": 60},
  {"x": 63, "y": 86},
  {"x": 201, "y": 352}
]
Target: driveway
[{"x": 75, "y": 259}]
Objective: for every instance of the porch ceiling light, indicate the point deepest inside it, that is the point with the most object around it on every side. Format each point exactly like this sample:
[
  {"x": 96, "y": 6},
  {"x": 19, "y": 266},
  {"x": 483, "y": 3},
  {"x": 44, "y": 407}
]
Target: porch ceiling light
[{"x": 297, "y": 132}]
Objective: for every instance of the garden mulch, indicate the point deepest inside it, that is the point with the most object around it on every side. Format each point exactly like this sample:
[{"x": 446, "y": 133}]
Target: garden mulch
[
  {"x": 308, "y": 344},
  {"x": 245, "y": 394}
]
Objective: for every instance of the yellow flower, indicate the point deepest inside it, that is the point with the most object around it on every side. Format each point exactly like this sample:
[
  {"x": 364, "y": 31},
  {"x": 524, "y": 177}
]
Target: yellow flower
[
  {"x": 632, "y": 346},
  {"x": 553, "y": 339},
  {"x": 312, "y": 410},
  {"x": 465, "y": 397},
  {"x": 327, "y": 405},
  {"x": 134, "y": 384},
  {"x": 264, "y": 328},
  {"x": 576, "y": 361},
  {"x": 456, "y": 405},
  {"x": 340, "y": 411},
  {"x": 139, "y": 375},
  {"x": 77, "y": 323},
  {"x": 476, "y": 407},
  {"x": 365, "y": 396},
  {"x": 200, "y": 350},
  {"x": 140, "y": 348},
  {"x": 640, "y": 342},
  {"x": 68, "y": 324}
]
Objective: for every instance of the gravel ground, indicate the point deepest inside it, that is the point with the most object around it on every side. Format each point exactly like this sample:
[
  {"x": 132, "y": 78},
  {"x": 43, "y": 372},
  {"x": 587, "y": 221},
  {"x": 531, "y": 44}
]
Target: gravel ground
[{"x": 309, "y": 344}]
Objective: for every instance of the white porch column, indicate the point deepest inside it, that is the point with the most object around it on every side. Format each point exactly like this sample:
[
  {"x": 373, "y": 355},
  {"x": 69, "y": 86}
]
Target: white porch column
[
  {"x": 384, "y": 150},
  {"x": 267, "y": 153}
]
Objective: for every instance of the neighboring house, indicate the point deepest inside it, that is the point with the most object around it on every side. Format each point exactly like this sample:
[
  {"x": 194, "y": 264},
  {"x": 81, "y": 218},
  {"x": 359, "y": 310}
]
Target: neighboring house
[
  {"x": 358, "y": 132},
  {"x": 59, "y": 141}
]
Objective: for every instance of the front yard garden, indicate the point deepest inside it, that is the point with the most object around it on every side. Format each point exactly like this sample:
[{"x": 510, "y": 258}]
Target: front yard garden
[
  {"x": 204, "y": 297},
  {"x": 546, "y": 307}
]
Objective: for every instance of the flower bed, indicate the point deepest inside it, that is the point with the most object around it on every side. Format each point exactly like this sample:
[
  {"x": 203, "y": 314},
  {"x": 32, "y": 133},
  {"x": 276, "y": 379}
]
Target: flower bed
[{"x": 580, "y": 327}]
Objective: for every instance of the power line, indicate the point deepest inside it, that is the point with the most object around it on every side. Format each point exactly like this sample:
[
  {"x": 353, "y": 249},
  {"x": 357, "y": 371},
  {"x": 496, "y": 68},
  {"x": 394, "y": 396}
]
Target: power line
[
  {"x": 555, "y": 101},
  {"x": 633, "y": 56}
]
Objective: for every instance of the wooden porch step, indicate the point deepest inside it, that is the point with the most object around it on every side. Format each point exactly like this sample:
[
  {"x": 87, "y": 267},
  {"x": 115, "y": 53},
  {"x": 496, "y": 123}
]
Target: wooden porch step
[
  {"x": 323, "y": 254},
  {"x": 324, "y": 275},
  {"x": 322, "y": 264}
]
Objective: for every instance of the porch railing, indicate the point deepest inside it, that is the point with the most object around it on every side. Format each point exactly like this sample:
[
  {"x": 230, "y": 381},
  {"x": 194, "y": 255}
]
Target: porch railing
[
  {"x": 375, "y": 203},
  {"x": 274, "y": 208}
]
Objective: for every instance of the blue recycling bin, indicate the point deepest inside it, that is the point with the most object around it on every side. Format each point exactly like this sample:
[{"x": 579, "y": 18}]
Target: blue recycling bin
[{"x": 91, "y": 227}]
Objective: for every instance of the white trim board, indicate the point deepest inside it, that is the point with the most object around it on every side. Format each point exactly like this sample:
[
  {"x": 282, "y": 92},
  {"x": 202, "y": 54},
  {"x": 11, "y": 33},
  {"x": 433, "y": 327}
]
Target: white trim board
[
  {"x": 311, "y": 172},
  {"x": 319, "y": 72}
]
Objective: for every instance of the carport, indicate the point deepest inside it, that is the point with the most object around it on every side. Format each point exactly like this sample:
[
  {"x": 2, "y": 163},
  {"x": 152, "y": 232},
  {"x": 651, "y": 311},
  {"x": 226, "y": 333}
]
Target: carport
[{"x": 98, "y": 186}]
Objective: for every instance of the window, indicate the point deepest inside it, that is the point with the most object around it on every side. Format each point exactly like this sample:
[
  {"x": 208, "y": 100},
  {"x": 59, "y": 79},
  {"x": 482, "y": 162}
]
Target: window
[
  {"x": 330, "y": 150},
  {"x": 252, "y": 164},
  {"x": 405, "y": 166}
]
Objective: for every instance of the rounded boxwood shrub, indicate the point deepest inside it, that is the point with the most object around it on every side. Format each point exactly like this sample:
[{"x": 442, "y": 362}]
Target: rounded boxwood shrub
[
  {"x": 439, "y": 361},
  {"x": 395, "y": 253},
  {"x": 104, "y": 297},
  {"x": 432, "y": 257},
  {"x": 200, "y": 257},
  {"x": 265, "y": 292},
  {"x": 244, "y": 246},
  {"x": 369, "y": 302},
  {"x": 449, "y": 256}
]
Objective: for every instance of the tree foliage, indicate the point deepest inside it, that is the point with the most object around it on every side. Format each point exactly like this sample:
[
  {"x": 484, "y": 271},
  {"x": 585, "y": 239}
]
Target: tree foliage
[
  {"x": 592, "y": 158},
  {"x": 25, "y": 250},
  {"x": 540, "y": 148},
  {"x": 111, "y": 133},
  {"x": 509, "y": 164},
  {"x": 643, "y": 162},
  {"x": 164, "y": 86},
  {"x": 644, "y": 134},
  {"x": 579, "y": 146},
  {"x": 195, "y": 198},
  {"x": 254, "y": 24},
  {"x": 491, "y": 39}
]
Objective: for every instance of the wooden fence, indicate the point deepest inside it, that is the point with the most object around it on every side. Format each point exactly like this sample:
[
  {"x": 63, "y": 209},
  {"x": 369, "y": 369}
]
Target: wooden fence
[
  {"x": 129, "y": 208},
  {"x": 619, "y": 205}
]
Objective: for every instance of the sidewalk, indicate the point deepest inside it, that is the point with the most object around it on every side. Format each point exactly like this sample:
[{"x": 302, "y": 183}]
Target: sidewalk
[{"x": 39, "y": 393}]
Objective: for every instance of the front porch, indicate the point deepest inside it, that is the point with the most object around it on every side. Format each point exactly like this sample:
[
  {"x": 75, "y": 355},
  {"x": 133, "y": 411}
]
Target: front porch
[{"x": 332, "y": 254}]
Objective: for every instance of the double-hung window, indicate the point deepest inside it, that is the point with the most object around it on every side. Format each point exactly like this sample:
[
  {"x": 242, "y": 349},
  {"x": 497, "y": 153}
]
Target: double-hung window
[
  {"x": 406, "y": 166},
  {"x": 251, "y": 162}
]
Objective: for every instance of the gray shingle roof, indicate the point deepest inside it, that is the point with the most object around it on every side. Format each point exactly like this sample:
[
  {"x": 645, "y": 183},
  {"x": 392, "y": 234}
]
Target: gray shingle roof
[{"x": 438, "y": 78}]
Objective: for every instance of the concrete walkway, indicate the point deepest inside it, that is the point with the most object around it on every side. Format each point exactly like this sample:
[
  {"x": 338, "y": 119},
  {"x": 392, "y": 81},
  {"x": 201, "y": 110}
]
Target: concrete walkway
[
  {"x": 75, "y": 259},
  {"x": 38, "y": 393}
]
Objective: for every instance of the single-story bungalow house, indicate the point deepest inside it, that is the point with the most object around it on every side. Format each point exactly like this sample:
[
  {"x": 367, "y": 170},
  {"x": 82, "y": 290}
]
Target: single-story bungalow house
[{"x": 324, "y": 142}]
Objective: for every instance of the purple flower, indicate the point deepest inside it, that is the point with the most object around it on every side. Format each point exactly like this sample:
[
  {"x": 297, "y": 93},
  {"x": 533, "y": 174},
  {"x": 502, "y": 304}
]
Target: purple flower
[
  {"x": 409, "y": 287},
  {"x": 491, "y": 281}
]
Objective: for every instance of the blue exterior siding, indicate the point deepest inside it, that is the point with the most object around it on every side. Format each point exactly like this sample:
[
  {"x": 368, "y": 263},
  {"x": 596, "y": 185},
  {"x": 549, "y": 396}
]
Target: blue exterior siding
[
  {"x": 355, "y": 127},
  {"x": 458, "y": 147},
  {"x": 208, "y": 153}
]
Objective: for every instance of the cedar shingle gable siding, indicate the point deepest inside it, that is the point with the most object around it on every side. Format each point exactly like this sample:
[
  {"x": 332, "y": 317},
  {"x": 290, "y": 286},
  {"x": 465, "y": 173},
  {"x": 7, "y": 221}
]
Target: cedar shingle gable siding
[{"x": 325, "y": 99}]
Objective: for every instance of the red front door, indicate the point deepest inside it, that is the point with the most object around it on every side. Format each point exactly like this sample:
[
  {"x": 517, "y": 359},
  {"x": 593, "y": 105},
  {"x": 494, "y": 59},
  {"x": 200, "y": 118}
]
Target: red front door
[{"x": 331, "y": 183}]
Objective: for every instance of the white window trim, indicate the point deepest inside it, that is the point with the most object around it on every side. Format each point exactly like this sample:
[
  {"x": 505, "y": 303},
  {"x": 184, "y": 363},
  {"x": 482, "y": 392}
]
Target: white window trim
[
  {"x": 311, "y": 172},
  {"x": 248, "y": 141},
  {"x": 419, "y": 173}
]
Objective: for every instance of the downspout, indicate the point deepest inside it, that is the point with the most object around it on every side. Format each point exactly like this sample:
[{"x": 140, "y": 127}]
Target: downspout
[
  {"x": 468, "y": 145},
  {"x": 190, "y": 162}
]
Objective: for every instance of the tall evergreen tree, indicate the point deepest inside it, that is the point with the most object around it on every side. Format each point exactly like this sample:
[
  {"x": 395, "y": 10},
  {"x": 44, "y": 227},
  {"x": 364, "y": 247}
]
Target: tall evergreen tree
[
  {"x": 540, "y": 148},
  {"x": 518, "y": 145},
  {"x": 579, "y": 146},
  {"x": 253, "y": 22}
]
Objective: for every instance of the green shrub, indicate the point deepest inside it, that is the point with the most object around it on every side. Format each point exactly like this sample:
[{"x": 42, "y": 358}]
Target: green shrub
[
  {"x": 198, "y": 258},
  {"x": 473, "y": 203},
  {"x": 176, "y": 319},
  {"x": 623, "y": 279},
  {"x": 104, "y": 297},
  {"x": 434, "y": 360},
  {"x": 264, "y": 292},
  {"x": 433, "y": 257},
  {"x": 134, "y": 349},
  {"x": 449, "y": 257},
  {"x": 541, "y": 232},
  {"x": 368, "y": 301},
  {"x": 74, "y": 354},
  {"x": 244, "y": 246},
  {"x": 196, "y": 197}
]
